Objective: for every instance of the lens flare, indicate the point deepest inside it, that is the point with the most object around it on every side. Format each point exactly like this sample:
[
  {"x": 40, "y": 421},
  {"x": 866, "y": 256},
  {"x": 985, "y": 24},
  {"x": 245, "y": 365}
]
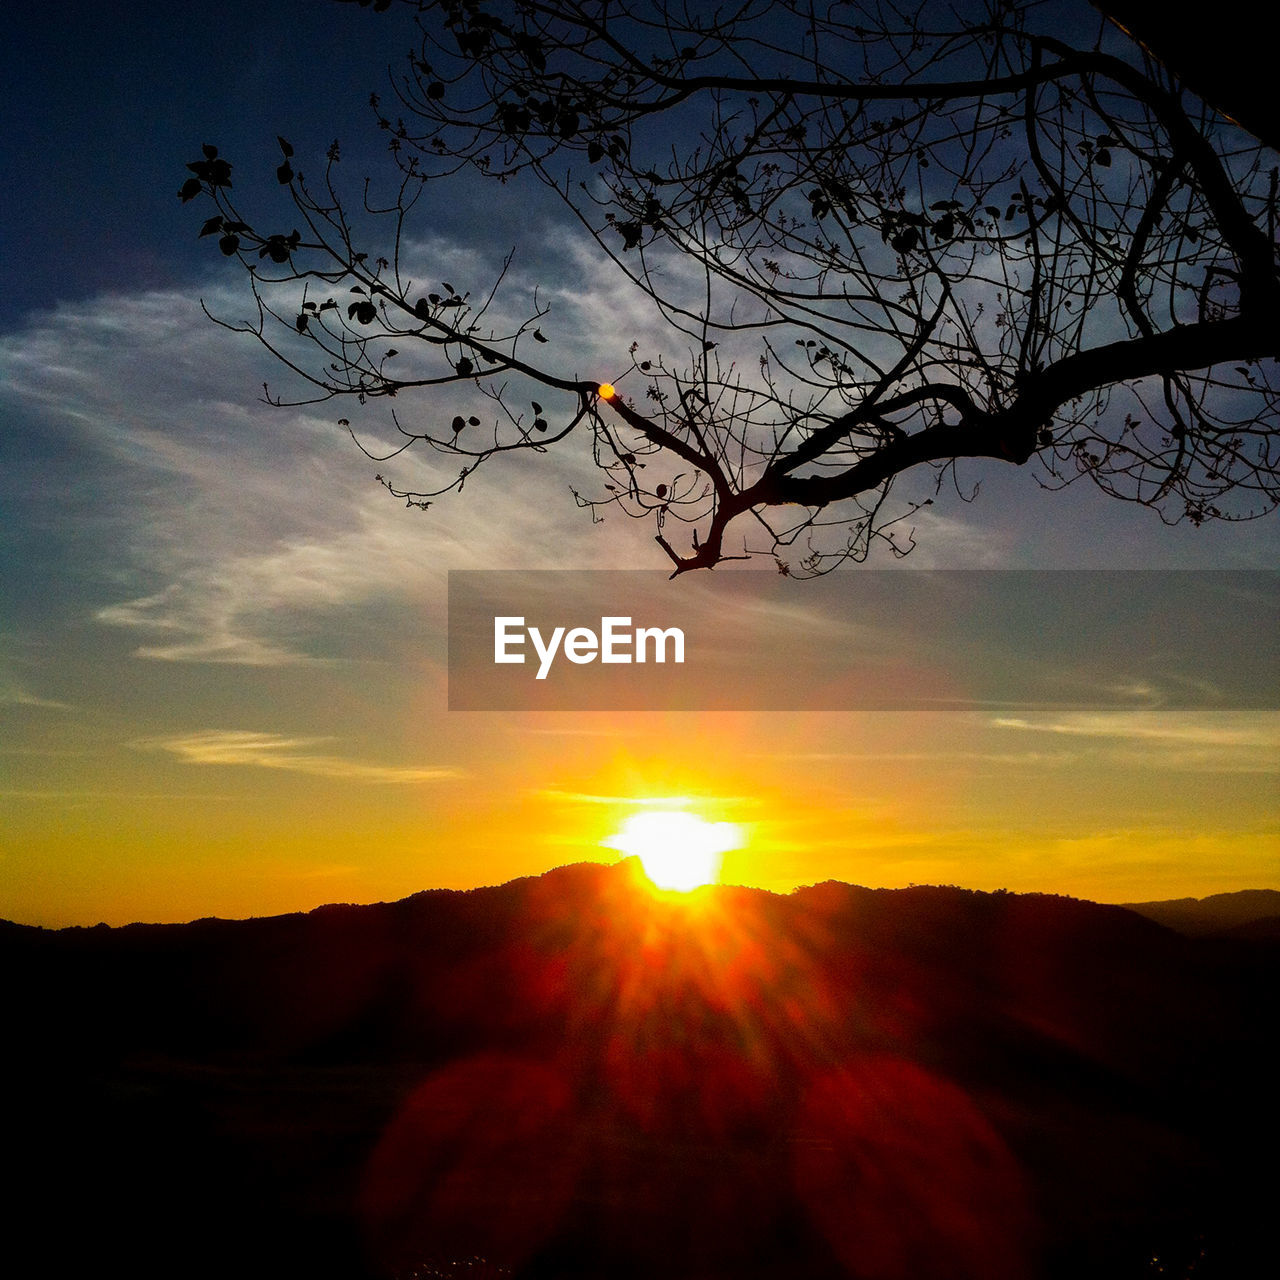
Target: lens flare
[{"x": 607, "y": 391}]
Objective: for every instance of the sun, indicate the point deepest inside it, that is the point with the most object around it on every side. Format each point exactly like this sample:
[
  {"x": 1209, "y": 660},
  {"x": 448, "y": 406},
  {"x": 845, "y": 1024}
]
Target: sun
[{"x": 678, "y": 851}]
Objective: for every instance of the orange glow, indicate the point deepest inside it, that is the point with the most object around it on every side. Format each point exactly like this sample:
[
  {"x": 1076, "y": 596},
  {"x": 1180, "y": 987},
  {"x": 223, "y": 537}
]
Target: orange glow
[
  {"x": 679, "y": 851},
  {"x": 607, "y": 391}
]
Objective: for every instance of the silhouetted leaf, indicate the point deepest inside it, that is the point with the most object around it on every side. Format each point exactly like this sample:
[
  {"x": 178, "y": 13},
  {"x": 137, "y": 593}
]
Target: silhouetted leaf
[
  {"x": 464, "y": 368},
  {"x": 190, "y": 189},
  {"x": 284, "y": 174},
  {"x": 661, "y": 491},
  {"x": 285, "y": 148},
  {"x": 213, "y": 225},
  {"x": 537, "y": 336},
  {"x": 537, "y": 408},
  {"x": 459, "y": 422},
  {"x": 229, "y": 244},
  {"x": 539, "y": 424}
]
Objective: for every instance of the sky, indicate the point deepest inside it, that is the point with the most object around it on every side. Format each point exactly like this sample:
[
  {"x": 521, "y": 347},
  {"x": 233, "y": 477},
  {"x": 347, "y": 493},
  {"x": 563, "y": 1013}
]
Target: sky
[{"x": 224, "y": 658}]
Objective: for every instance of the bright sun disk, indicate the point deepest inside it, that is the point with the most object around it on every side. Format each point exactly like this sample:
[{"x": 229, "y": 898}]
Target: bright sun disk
[{"x": 678, "y": 851}]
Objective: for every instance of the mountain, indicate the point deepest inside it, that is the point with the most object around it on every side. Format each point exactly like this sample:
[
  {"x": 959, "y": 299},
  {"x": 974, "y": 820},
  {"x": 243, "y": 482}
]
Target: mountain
[
  {"x": 1248, "y": 912},
  {"x": 570, "y": 1076}
]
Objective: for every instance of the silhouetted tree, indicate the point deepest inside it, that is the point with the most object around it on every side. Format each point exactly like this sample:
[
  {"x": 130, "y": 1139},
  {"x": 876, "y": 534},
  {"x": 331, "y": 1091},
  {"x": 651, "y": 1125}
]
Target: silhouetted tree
[{"x": 881, "y": 239}]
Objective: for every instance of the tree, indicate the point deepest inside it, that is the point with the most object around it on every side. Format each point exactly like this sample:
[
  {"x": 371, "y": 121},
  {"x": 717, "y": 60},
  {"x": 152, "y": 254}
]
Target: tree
[{"x": 881, "y": 241}]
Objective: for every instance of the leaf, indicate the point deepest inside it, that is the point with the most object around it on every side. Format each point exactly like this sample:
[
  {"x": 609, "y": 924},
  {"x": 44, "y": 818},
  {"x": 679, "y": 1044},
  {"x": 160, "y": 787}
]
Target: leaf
[
  {"x": 661, "y": 491},
  {"x": 595, "y": 153},
  {"x": 537, "y": 408},
  {"x": 285, "y": 148},
  {"x": 284, "y": 174},
  {"x": 537, "y": 336},
  {"x": 229, "y": 244},
  {"x": 459, "y": 422},
  {"x": 362, "y": 312},
  {"x": 539, "y": 424},
  {"x": 435, "y": 90},
  {"x": 301, "y": 322},
  {"x": 214, "y": 224},
  {"x": 464, "y": 368},
  {"x": 422, "y": 309},
  {"x": 473, "y": 421},
  {"x": 210, "y": 152},
  {"x": 190, "y": 189},
  {"x": 276, "y": 249}
]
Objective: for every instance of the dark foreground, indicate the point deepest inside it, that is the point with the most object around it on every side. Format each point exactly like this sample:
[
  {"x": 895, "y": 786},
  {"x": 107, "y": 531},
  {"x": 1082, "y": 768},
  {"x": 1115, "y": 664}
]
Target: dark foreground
[{"x": 567, "y": 1077}]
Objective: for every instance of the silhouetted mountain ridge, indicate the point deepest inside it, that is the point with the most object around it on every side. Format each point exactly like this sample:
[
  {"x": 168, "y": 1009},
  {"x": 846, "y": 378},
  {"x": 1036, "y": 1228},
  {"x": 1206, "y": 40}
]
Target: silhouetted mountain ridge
[
  {"x": 1246, "y": 911},
  {"x": 575, "y": 1077}
]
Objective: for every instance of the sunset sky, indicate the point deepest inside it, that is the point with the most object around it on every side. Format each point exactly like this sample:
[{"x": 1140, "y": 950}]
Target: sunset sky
[{"x": 223, "y": 675}]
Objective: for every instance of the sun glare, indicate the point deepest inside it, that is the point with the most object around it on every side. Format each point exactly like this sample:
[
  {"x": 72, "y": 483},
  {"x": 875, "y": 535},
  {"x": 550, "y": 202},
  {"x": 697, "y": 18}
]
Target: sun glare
[{"x": 678, "y": 851}]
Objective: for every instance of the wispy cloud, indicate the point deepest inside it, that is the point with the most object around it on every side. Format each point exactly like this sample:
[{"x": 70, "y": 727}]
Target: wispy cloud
[
  {"x": 1202, "y": 729},
  {"x": 645, "y": 802},
  {"x": 1235, "y": 741},
  {"x": 248, "y": 529},
  {"x": 12, "y": 695},
  {"x": 276, "y": 751}
]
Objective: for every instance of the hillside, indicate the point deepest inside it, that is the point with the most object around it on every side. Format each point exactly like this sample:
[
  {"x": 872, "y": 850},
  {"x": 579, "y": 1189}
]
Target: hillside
[
  {"x": 569, "y": 1076},
  {"x": 1246, "y": 912}
]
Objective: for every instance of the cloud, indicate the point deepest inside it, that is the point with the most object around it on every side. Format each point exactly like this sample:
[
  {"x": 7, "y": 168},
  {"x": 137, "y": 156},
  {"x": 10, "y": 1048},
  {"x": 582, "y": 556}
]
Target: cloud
[
  {"x": 12, "y": 695},
  {"x": 1231, "y": 741},
  {"x": 276, "y": 751},
  {"x": 252, "y": 534}
]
